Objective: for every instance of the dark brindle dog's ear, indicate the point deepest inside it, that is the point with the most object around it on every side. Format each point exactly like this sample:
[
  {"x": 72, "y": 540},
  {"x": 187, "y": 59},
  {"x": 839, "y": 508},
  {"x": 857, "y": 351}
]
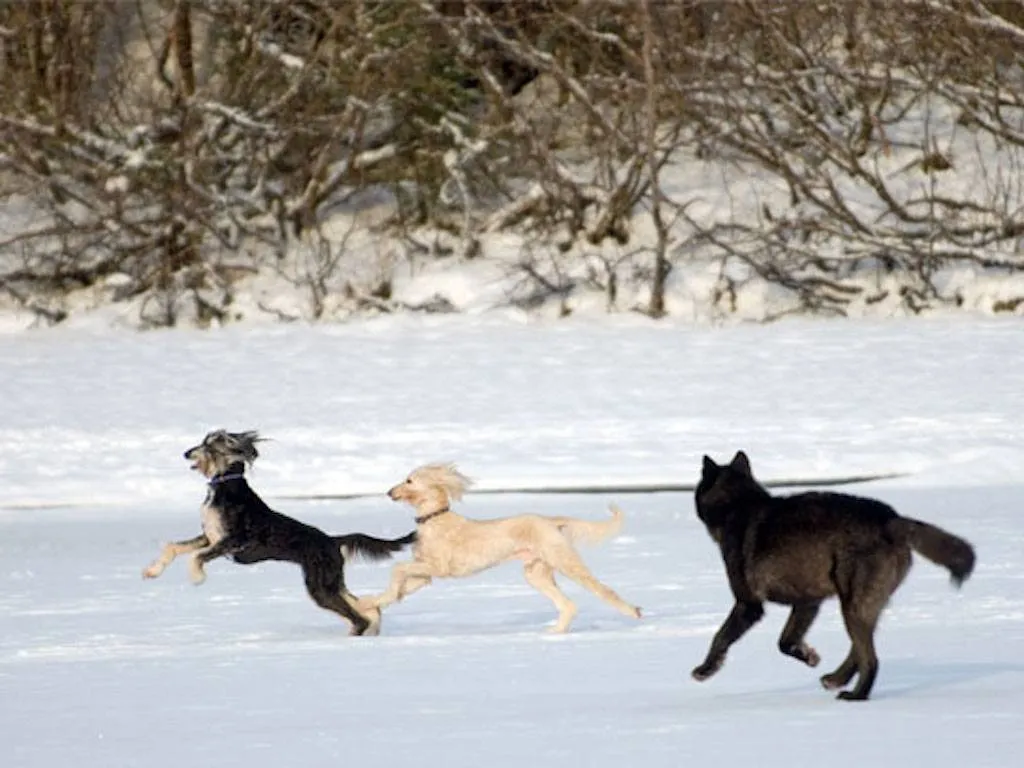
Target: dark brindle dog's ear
[
  {"x": 245, "y": 444},
  {"x": 741, "y": 463}
]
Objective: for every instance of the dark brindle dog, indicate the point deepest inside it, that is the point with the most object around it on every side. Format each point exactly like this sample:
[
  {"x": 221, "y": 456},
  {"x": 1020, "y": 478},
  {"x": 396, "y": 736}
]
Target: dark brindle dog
[
  {"x": 238, "y": 524},
  {"x": 799, "y": 550}
]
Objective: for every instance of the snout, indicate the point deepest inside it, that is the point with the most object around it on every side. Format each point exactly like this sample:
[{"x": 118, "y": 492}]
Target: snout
[
  {"x": 401, "y": 492},
  {"x": 193, "y": 455}
]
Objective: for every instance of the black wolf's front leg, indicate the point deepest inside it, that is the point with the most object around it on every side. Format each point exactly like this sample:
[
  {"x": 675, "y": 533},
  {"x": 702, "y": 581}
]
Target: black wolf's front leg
[
  {"x": 741, "y": 618},
  {"x": 171, "y": 551},
  {"x": 791, "y": 641},
  {"x": 225, "y": 546}
]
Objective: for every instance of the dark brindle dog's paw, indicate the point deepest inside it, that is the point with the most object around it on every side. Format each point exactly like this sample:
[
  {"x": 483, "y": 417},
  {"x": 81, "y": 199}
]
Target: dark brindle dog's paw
[
  {"x": 811, "y": 657},
  {"x": 705, "y": 670}
]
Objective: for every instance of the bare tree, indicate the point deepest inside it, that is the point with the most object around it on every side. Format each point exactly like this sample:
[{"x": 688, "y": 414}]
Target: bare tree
[
  {"x": 166, "y": 148},
  {"x": 835, "y": 123}
]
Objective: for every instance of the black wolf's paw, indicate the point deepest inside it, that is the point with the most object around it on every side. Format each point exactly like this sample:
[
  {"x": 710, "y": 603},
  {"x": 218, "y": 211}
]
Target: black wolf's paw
[
  {"x": 832, "y": 682},
  {"x": 705, "y": 670},
  {"x": 852, "y": 696},
  {"x": 811, "y": 657}
]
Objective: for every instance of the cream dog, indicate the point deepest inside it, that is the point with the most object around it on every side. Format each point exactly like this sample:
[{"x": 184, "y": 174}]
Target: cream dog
[{"x": 449, "y": 545}]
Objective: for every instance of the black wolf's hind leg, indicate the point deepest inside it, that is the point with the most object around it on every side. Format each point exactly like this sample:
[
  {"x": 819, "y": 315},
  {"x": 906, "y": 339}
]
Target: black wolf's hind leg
[
  {"x": 327, "y": 592},
  {"x": 862, "y": 636},
  {"x": 861, "y": 611},
  {"x": 741, "y": 618},
  {"x": 791, "y": 641},
  {"x": 863, "y": 599}
]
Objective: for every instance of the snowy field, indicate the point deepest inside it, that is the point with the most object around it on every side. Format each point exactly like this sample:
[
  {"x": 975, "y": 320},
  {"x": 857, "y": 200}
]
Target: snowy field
[{"x": 100, "y": 669}]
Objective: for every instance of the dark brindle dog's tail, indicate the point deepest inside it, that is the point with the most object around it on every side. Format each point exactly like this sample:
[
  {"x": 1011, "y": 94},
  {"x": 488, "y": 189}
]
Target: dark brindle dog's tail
[
  {"x": 940, "y": 547},
  {"x": 370, "y": 547}
]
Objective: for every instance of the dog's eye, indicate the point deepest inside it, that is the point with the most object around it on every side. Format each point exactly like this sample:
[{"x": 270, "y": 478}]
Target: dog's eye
[{"x": 408, "y": 481}]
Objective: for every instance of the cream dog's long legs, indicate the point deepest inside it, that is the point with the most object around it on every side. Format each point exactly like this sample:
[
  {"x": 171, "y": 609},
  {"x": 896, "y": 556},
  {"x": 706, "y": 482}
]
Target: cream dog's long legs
[
  {"x": 541, "y": 577},
  {"x": 406, "y": 578}
]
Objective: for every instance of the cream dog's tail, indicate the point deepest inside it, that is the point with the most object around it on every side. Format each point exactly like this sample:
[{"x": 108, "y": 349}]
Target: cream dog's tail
[{"x": 589, "y": 531}]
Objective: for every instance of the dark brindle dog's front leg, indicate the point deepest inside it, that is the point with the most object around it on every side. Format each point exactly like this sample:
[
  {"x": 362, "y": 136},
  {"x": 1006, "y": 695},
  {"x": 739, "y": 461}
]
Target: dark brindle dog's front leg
[
  {"x": 225, "y": 546},
  {"x": 741, "y": 618},
  {"x": 171, "y": 551}
]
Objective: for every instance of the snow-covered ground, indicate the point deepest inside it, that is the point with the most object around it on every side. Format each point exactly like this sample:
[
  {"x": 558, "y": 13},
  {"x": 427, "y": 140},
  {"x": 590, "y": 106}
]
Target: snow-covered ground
[
  {"x": 352, "y": 407},
  {"x": 99, "y": 668}
]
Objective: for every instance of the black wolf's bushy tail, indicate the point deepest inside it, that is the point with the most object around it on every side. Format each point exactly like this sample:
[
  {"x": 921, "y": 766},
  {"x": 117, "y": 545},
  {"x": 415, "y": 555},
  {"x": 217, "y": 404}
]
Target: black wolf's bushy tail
[
  {"x": 370, "y": 547},
  {"x": 940, "y": 547}
]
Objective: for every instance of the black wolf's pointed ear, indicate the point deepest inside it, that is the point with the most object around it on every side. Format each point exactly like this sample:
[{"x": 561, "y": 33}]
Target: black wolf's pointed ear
[
  {"x": 741, "y": 463},
  {"x": 708, "y": 467}
]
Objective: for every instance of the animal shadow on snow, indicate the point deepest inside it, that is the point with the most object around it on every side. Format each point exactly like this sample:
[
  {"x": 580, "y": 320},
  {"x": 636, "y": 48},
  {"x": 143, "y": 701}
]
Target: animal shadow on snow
[
  {"x": 909, "y": 676},
  {"x": 491, "y": 610}
]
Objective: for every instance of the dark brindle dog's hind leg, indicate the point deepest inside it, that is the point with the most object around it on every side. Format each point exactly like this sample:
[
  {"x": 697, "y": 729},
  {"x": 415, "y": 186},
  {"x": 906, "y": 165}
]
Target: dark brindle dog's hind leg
[
  {"x": 324, "y": 584},
  {"x": 791, "y": 641},
  {"x": 171, "y": 551},
  {"x": 741, "y": 618}
]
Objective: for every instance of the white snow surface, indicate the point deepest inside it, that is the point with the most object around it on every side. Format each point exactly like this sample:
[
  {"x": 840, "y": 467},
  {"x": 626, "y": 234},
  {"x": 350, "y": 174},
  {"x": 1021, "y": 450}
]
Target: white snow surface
[
  {"x": 351, "y": 408},
  {"x": 99, "y": 668}
]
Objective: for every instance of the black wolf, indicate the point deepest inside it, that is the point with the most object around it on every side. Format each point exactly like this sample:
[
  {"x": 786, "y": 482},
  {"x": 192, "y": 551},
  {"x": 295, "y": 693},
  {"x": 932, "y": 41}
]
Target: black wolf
[
  {"x": 799, "y": 550},
  {"x": 238, "y": 523}
]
